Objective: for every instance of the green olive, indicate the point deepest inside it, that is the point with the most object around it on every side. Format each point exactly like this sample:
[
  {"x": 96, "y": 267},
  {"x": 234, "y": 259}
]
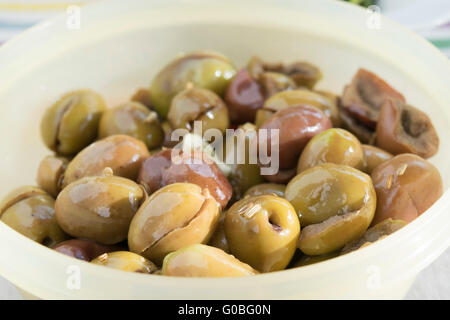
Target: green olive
[
  {"x": 123, "y": 154},
  {"x": 306, "y": 260},
  {"x": 198, "y": 104},
  {"x": 373, "y": 157},
  {"x": 30, "y": 211},
  {"x": 132, "y": 119},
  {"x": 266, "y": 188},
  {"x": 50, "y": 173},
  {"x": 125, "y": 261},
  {"x": 175, "y": 216},
  {"x": 219, "y": 239},
  {"x": 285, "y": 99},
  {"x": 262, "y": 231},
  {"x": 336, "y": 203},
  {"x": 207, "y": 70},
  {"x": 334, "y": 146},
  {"x": 99, "y": 208},
  {"x": 72, "y": 122},
  {"x": 199, "y": 260}
]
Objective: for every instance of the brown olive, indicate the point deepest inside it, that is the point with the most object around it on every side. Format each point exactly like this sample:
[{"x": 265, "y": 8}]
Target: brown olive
[
  {"x": 404, "y": 129},
  {"x": 334, "y": 146},
  {"x": 275, "y": 82},
  {"x": 406, "y": 186},
  {"x": 197, "y": 104},
  {"x": 99, "y": 208},
  {"x": 84, "y": 249},
  {"x": 123, "y": 154},
  {"x": 244, "y": 96},
  {"x": 296, "y": 125},
  {"x": 30, "y": 211},
  {"x": 125, "y": 261},
  {"x": 335, "y": 204},
  {"x": 132, "y": 119},
  {"x": 199, "y": 260},
  {"x": 373, "y": 157},
  {"x": 175, "y": 216},
  {"x": 194, "y": 167},
  {"x": 219, "y": 239},
  {"x": 143, "y": 96},
  {"x": 375, "y": 233},
  {"x": 266, "y": 188},
  {"x": 262, "y": 231},
  {"x": 50, "y": 173}
]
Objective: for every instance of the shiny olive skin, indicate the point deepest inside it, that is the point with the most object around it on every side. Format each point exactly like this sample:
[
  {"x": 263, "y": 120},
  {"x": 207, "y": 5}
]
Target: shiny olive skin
[
  {"x": 333, "y": 146},
  {"x": 335, "y": 204},
  {"x": 198, "y": 104},
  {"x": 99, "y": 208},
  {"x": 219, "y": 239},
  {"x": 50, "y": 173},
  {"x": 84, "y": 249},
  {"x": 404, "y": 129},
  {"x": 175, "y": 216},
  {"x": 296, "y": 125},
  {"x": 306, "y": 260},
  {"x": 244, "y": 96},
  {"x": 125, "y": 261},
  {"x": 207, "y": 70},
  {"x": 373, "y": 157},
  {"x": 30, "y": 211},
  {"x": 377, "y": 232},
  {"x": 286, "y": 99},
  {"x": 195, "y": 167},
  {"x": 132, "y": 119},
  {"x": 262, "y": 231},
  {"x": 71, "y": 123},
  {"x": 200, "y": 260},
  {"x": 266, "y": 188},
  {"x": 406, "y": 186},
  {"x": 123, "y": 154},
  {"x": 143, "y": 96}
]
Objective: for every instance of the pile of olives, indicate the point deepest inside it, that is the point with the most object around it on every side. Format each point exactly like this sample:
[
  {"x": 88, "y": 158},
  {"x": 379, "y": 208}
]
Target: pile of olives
[{"x": 352, "y": 170}]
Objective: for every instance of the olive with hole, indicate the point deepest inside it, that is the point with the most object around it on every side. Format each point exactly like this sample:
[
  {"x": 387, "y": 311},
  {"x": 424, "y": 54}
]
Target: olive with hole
[
  {"x": 125, "y": 261},
  {"x": 50, "y": 174}
]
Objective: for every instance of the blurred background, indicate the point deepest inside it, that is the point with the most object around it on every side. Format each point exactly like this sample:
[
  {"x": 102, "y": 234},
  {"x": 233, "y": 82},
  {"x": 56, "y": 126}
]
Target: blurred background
[{"x": 429, "y": 18}]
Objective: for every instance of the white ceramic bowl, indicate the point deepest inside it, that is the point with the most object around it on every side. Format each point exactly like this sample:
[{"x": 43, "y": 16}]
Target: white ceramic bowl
[{"x": 120, "y": 47}]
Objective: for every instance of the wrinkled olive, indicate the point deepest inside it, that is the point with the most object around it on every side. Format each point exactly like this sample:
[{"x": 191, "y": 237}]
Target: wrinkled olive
[
  {"x": 406, "y": 186},
  {"x": 30, "y": 211},
  {"x": 199, "y": 260},
  {"x": 98, "y": 208},
  {"x": 375, "y": 233},
  {"x": 125, "y": 261},
  {"x": 72, "y": 122},
  {"x": 373, "y": 157},
  {"x": 123, "y": 154},
  {"x": 334, "y": 146},
  {"x": 159, "y": 170},
  {"x": 50, "y": 173},
  {"x": 292, "y": 98},
  {"x": 143, "y": 96},
  {"x": 175, "y": 216},
  {"x": 132, "y": 119},
  {"x": 404, "y": 129},
  {"x": 296, "y": 125},
  {"x": 219, "y": 239},
  {"x": 197, "y": 104},
  {"x": 244, "y": 96},
  {"x": 207, "y": 70},
  {"x": 83, "y": 249},
  {"x": 306, "y": 260},
  {"x": 262, "y": 231},
  {"x": 335, "y": 203},
  {"x": 266, "y": 188}
]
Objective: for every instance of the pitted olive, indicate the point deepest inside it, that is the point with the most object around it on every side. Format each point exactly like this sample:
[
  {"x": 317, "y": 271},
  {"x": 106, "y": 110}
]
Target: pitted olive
[
  {"x": 262, "y": 231},
  {"x": 266, "y": 188},
  {"x": 207, "y": 70},
  {"x": 132, "y": 119},
  {"x": 406, "y": 186},
  {"x": 199, "y": 260},
  {"x": 123, "y": 154},
  {"x": 198, "y": 104},
  {"x": 125, "y": 261},
  {"x": 72, "y": 122},
  {"x": 30, "y": 211},
  {"x": 84, "y": 249},
  {"x": 334, "y": 146},
  {"x": 373, "y": 157},
  {"x": 335, "y": 203},
  {"x": 50, "y": 174},
  {"x": 175, "y": 216},
  {"x": 99, "y": 208}
]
